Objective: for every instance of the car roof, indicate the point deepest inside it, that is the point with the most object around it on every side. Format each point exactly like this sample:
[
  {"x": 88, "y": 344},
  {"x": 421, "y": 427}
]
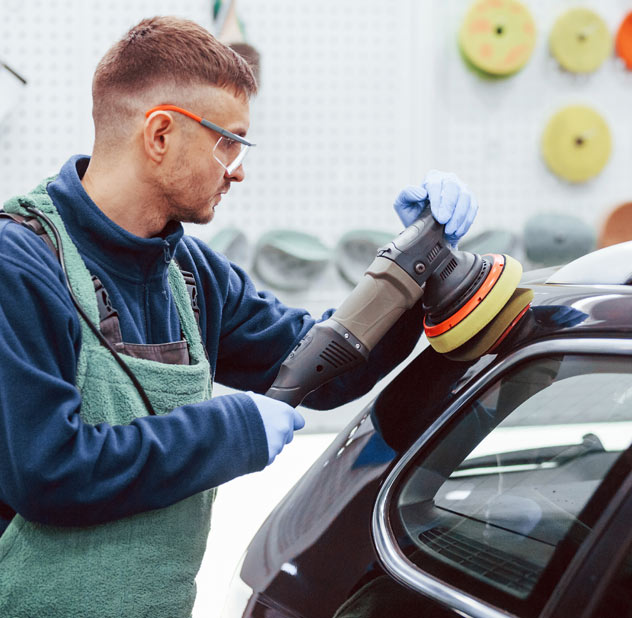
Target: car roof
[
  {"x": 605, "y": 308},
  {"x": 591, "y": 294}
]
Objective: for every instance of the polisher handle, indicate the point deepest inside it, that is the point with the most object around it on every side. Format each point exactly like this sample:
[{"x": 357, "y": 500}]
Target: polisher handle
[
  {"x": 325, "y": 352},
  {"x": 344, "y": 341},
  {"x": 384, "y": 293}
]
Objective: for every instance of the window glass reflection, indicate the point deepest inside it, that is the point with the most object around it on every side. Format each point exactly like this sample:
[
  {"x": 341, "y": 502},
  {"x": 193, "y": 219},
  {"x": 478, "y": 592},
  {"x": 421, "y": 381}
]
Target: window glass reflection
[{"x": 507, "y": 485}]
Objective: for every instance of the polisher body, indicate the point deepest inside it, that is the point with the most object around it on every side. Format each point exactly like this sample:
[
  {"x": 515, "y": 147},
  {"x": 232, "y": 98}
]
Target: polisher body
[{"x": 417, "y": 263}]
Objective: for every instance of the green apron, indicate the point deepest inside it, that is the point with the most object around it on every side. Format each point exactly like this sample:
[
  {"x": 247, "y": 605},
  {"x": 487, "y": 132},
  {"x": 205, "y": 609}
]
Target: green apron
[{"x": 143, "y": 565}]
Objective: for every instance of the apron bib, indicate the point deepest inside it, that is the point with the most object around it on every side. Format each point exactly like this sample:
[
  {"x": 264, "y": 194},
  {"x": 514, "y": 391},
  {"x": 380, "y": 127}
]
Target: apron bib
[{"x": 143, "y": 565}]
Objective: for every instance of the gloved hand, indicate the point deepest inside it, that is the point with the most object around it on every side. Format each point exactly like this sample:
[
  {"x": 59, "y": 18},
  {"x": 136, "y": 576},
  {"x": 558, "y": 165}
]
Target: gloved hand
[
  {"x": 451, "y": 202},
  {"x": 279, "y": 420}
]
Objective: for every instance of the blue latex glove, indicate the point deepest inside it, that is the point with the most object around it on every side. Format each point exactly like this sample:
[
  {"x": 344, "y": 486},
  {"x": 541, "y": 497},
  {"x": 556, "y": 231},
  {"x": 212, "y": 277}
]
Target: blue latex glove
[
  {"x": 279, "y": 420},
  {"x": 451, "y": 203}
]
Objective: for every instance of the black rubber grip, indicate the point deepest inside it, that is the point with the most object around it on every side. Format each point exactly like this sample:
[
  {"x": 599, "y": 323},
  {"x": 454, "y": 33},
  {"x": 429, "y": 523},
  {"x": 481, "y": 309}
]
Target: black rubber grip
[{"x": 327, "y": 351}]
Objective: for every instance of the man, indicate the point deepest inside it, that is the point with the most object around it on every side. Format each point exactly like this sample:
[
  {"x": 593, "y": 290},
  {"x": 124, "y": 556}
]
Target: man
[{"x": 110, "y": 443}]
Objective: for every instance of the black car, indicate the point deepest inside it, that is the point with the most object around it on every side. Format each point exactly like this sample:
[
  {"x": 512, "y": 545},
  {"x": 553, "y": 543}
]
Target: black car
[{"x": 500, "y": 486}]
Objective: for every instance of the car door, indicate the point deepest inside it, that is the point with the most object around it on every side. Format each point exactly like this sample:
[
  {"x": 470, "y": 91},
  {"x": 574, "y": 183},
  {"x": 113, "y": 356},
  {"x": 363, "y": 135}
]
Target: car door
[{"x": 512, "y": 488}]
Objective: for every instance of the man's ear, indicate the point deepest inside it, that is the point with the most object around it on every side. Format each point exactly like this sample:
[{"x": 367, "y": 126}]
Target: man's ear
[{"x": 157, "y": 132}]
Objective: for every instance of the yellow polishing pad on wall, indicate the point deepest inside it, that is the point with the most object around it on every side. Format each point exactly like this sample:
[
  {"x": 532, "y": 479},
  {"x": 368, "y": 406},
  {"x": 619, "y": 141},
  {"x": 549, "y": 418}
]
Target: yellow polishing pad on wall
[
  {"x": 497, "y": 36},
  {"x": 576, "y": 143},
  {"x": 580, "y": 40}
]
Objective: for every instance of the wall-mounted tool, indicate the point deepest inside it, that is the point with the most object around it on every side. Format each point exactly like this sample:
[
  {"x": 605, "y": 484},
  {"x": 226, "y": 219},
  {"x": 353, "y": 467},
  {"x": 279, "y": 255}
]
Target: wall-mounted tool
[{"x": 11, "y": 86}]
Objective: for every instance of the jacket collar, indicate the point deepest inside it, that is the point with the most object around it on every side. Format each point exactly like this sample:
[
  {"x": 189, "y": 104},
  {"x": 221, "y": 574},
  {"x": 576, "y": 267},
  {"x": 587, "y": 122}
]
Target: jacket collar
[{"x": 100, "y": 239}]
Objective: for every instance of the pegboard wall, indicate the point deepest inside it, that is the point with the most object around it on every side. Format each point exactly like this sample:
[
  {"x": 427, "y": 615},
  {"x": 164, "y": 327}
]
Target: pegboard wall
[
  {"x": 358, "y": 99},
  {"x": 489, "y": 132}
]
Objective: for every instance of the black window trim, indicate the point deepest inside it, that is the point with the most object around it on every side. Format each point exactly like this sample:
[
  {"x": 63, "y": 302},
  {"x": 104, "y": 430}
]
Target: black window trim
[
  {"x": 390, "y": 555},
  {"x": 604, "y": 550}
]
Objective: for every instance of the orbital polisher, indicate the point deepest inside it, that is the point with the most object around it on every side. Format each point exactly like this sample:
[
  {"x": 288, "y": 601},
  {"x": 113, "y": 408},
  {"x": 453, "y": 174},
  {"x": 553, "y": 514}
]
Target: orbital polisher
[{"x": 471, "y": 302}]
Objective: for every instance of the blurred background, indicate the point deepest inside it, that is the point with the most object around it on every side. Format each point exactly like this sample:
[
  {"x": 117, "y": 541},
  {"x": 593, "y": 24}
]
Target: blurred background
[
  {"x": 358, "y": 99},
  {"x": 528, "y": 103}
]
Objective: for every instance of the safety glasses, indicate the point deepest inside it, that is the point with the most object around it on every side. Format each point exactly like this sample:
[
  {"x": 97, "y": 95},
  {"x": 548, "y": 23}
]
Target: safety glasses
[{"x": 230, "y": 149}]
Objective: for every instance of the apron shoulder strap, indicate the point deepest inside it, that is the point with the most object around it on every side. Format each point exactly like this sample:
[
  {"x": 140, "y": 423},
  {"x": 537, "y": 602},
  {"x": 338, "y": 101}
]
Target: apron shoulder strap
[
  {"x": 34, "y": 225},
  {"x": 109, "y": 321},
  {"x": 189, "y": 280}
]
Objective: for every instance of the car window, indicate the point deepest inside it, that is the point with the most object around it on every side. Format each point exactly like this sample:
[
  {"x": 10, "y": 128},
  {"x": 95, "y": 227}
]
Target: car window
[{"x": 494, "y": 503}]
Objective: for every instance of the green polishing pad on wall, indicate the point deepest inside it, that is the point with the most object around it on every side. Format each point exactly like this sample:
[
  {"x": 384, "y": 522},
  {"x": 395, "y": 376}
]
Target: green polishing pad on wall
[
  {"x": 356, "y": 250},
  {"x": 290, "y": 260},
  {"x": 233, "y": 243},
  {"x": 551, "y": 239}
]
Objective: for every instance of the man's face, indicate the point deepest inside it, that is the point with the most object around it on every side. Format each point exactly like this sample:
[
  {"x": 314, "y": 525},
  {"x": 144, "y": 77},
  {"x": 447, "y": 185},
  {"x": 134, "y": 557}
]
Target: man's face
[{"x": 196, "y": 180}]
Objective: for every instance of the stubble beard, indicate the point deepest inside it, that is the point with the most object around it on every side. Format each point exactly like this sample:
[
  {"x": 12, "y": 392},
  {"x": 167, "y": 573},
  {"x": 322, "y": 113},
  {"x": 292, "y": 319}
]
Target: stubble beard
[
  {"x": 200, "y": 215},
  {"x": 197, "y": 209}
]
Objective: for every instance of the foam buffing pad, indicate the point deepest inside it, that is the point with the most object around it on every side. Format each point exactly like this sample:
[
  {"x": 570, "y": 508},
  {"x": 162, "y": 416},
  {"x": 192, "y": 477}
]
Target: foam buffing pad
[
  {"x": 580, "y": 40},
  {"x": 497, "y": 330},
  {"x": 482, "y": 306},
  {"x": 623, "y": 42},
  {"x": 576, "y": 143},
  {"x": 497, "y": 36}
]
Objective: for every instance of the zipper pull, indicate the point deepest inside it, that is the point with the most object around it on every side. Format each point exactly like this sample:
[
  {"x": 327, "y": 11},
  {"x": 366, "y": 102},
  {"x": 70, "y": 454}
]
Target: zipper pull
[{"x": 167, "y": 252}]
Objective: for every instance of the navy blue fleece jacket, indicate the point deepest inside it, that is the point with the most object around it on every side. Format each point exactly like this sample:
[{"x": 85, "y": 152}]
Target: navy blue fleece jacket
[{"x": 50, "y": 460}]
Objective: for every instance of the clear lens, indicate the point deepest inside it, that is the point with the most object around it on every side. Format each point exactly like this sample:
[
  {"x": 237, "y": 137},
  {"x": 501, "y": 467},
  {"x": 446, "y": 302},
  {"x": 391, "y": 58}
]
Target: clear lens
[{"x": 229, "y": 153}]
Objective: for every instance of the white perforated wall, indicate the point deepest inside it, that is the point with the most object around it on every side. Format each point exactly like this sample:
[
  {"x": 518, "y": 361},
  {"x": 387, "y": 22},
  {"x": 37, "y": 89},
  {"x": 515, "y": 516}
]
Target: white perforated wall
[
  {"x": 358, "y": 98},
  {"x": 336, "y": 119},
  {"x": 56, "y": 45}
]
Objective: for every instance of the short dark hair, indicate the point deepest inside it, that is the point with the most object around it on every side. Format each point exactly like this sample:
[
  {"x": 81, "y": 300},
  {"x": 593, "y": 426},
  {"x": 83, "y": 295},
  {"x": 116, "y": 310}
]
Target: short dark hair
[{"x": 166, "y": 50}]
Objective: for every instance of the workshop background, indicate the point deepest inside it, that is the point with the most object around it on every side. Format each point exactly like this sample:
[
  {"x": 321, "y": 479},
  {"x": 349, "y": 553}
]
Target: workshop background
[{"x": 358, "y": 99}]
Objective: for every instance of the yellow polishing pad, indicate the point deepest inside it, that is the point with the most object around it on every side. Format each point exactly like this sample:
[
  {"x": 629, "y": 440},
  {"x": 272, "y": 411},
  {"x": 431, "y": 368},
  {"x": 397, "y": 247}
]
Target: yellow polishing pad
[
  {"x": 484, "y": 312},
  {"x": 497, "y": 36},
  {"x": 576, "y": 143},
  {"x": 580, "y": 40},
  {"x": 496, "y": 329}
]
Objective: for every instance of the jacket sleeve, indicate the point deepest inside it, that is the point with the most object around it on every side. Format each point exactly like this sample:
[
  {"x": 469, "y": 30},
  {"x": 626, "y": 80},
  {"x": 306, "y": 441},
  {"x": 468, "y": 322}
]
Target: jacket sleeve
[
  {"x": 59, "y": 470},
  {"x": 257, "y": 332}
]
